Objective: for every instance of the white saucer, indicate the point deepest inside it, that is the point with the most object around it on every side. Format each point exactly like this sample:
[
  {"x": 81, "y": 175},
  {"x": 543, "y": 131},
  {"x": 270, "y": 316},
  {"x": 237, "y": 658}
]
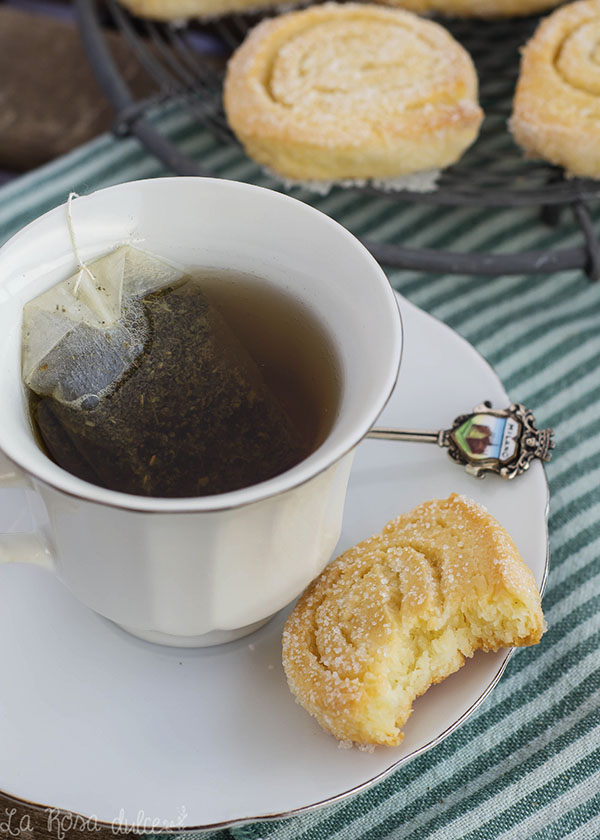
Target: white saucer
[{"x": 97, "y": 722}]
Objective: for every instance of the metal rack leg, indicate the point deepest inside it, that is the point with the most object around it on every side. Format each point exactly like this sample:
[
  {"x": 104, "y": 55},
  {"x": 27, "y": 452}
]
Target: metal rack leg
[{"x": 592, "y": 243}]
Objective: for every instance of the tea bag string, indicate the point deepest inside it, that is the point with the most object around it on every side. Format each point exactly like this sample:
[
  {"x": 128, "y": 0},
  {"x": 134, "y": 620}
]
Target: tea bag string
[{"x": 82, "y": 266}]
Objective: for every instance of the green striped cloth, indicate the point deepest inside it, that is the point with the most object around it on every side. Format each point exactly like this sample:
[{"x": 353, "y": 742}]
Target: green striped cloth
[{"x": 527, "y": 763}]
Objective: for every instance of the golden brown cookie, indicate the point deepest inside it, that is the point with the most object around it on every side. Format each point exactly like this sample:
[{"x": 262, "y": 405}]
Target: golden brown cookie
[
  {"x": 556, "y": 113},
  {"x": 475, "y": 8},
  {"x": 401, "y": 611},
  {"x": 184, "y": 9},
  {"x": 352, "y": 91}
]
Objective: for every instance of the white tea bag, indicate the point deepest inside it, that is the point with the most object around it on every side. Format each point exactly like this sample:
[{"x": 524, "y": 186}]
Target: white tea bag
[{"x": 83, "y": 333}]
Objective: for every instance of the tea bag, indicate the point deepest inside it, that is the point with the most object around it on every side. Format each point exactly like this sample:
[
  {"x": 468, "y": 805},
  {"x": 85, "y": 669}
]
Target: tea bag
[
  {"x": 140, "y": 385},
  {"x": 83, "y": 333}
]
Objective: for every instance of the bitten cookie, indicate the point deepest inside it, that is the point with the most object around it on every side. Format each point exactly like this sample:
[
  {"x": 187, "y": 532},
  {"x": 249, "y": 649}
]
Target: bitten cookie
[
  {"x": 556, "y": 113},
  {"x": 401, "y": 611},
  {"x": 352, "y": 91}
]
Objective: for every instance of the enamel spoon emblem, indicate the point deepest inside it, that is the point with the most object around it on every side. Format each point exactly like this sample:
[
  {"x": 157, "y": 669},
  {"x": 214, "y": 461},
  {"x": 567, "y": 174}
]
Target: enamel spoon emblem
[{"x": 503, "y": 441}]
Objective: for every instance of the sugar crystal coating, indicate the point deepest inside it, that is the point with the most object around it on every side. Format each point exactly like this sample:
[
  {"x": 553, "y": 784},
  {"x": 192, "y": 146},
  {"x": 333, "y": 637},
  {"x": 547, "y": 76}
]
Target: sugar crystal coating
[
  {"x": 402, "y": 610},
  {"x": 556, "y": 113},
  {"x": 352, "y": 91}
]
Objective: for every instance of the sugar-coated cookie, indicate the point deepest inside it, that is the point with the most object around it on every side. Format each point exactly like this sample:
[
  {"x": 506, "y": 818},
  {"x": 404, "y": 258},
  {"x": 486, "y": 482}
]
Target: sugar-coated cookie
[
  {"x": 556, "y": 113},
  {"x": 340, "y": 91},
  {"x": 401, "y": 611}
]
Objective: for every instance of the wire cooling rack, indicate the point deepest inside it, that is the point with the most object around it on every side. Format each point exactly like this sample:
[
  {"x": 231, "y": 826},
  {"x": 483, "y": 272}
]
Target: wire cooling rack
[{"x": 186, "y": 63}]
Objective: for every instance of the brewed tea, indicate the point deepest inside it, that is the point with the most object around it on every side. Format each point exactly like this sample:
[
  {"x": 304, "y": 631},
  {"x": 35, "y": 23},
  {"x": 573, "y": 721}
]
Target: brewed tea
[{"x": 211, "y": 383}]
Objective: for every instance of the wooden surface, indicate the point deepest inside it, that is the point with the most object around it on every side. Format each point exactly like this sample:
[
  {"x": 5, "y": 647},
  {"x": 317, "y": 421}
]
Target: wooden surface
[{"x": 50, "y": 101}]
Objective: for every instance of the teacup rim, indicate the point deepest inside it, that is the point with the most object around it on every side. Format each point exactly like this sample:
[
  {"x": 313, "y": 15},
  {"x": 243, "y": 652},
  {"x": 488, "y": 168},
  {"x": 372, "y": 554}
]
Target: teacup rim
[{"x": 74, "y": 487}]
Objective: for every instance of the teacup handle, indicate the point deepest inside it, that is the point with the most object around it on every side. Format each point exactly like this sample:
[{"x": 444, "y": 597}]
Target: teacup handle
[{"x": 21, "y": 547}]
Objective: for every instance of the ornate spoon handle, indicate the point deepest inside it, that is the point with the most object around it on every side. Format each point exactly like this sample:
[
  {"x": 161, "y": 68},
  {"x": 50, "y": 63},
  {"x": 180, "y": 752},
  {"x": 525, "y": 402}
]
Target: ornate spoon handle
[{"x": 502, "y": 441}]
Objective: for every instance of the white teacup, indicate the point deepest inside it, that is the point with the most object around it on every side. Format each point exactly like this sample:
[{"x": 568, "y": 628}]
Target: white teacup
[{"x": 199, "y": 571}]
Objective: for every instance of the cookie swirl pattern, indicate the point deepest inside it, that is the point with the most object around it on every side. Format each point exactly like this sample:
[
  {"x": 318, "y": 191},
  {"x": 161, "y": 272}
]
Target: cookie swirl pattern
[
  {"x": 556, "y": 112},
  {"x": 352, "y": 91},
  {"x": 401, "y": 611}
]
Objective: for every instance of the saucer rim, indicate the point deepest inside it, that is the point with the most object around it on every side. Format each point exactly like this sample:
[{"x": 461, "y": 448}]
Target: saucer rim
[
  {"x": 339, "y": 797},
  {"x": 304, "y": 809}
]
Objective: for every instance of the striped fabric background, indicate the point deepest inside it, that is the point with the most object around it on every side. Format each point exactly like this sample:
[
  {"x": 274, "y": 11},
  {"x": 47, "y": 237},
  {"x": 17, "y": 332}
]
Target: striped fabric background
[{"x": 527, "y": 763}]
